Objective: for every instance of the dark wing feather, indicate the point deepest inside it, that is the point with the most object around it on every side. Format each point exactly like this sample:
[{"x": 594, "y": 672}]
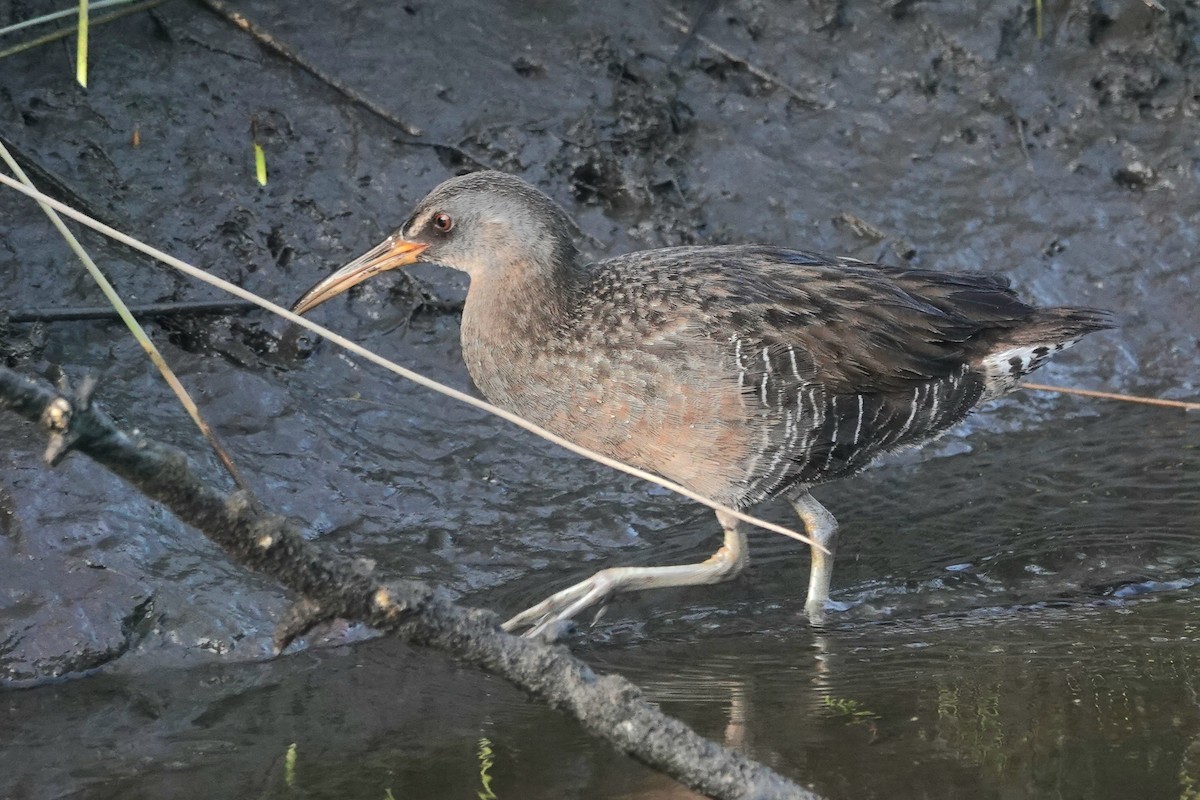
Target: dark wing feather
[
  {"x": 867, "y": 328},
  {"x": 883, "y": 356}
]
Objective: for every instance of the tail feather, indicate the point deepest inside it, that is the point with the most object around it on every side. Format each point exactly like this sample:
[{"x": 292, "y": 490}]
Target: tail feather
[{"x": 1030, "y": 345}]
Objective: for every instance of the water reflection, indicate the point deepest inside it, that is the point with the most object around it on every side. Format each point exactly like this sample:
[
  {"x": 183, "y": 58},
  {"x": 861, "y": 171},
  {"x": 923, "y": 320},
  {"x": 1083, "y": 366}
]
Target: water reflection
[{"x": 1071, "y": 702}]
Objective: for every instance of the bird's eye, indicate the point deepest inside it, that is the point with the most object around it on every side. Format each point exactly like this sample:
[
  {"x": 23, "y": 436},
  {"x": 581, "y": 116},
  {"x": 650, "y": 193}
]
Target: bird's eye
[{"x": 442, "y": 222}]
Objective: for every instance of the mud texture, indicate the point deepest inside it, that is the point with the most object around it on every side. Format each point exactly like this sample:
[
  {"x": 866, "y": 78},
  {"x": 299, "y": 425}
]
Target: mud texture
[{"x": 943, "y": 135}]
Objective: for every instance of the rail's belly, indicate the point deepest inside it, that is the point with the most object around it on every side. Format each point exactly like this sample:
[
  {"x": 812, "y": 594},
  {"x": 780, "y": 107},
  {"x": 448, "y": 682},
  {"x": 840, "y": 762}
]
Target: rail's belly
[{"x": 649, "y": 412}]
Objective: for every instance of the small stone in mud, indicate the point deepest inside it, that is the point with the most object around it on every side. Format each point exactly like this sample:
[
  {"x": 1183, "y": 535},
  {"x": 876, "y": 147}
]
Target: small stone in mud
[
  {"x": 903, "y": 249},
  {"x": 1054, "y": 248},
  {"x": 527, "y": 68},
  {"x": 1134, "y": 175}
]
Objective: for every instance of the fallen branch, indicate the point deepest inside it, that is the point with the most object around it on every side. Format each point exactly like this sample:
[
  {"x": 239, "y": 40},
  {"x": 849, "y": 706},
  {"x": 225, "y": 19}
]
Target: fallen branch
[{"x": 330, "y": 587}]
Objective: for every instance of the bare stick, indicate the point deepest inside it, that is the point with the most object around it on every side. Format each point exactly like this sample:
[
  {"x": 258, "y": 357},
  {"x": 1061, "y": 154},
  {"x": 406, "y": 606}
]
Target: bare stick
[
  {"x": 1128, "y": 398},
  {"x": 608, "y": 706}
]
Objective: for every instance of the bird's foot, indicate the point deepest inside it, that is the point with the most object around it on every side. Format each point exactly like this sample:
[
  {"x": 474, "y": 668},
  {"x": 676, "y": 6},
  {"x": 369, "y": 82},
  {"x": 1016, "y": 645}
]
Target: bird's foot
[
  {"x": 818, "y": 613},
  {"x": 815, "y": 613},
  {"x": 551, "y": 618}
]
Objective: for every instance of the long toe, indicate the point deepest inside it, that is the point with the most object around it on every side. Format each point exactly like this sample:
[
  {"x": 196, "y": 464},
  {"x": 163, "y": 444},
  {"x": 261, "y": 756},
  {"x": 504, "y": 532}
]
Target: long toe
[
  {"x": 543, "y": 612},
  {"x": 561, "y": 607},
  {"x": 553, "y": 631}
]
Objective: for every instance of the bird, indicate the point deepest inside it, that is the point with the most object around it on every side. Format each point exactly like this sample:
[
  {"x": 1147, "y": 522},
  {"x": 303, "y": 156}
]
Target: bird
[{"x": 743, "y": 372}]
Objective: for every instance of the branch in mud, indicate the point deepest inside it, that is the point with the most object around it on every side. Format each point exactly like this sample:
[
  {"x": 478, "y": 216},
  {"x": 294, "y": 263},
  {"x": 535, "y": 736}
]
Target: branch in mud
[{"x": 331, "y": 587}]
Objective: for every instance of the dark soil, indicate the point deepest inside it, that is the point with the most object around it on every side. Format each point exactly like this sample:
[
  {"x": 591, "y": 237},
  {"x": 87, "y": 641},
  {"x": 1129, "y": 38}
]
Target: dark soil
[{"x": 1045, "y": 551}]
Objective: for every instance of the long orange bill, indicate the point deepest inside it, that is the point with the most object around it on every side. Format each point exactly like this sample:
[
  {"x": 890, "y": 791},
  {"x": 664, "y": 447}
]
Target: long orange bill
[{"x": 391, "y": 253}]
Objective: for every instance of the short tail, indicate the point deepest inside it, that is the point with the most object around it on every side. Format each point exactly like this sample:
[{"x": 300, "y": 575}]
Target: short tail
[
  {"x": 1062, "y": 324},
  {"x": 1029, "y": 345}
]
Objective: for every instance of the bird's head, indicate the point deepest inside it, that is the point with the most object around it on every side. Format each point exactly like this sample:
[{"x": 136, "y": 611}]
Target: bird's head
[{"x": 484, "y": 223}]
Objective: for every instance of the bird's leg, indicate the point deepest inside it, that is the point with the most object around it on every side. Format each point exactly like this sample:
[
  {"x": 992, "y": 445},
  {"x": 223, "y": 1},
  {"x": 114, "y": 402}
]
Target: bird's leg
[
  {"x": 821, "y": 527},
  {"x": 723, "y": 565}
]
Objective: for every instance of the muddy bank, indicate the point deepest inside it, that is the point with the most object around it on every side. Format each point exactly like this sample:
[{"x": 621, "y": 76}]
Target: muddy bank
[{"x": 949, "y": 137}]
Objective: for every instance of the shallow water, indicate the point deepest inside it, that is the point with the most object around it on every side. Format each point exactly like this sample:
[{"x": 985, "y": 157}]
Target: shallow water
[
  {"x": 1018, "y": 599},
  {"x": 1028, "y": 629},
  {"x": 1062, "y": 699}
]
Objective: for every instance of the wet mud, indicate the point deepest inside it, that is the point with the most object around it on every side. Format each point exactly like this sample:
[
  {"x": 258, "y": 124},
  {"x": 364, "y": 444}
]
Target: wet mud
[{"x": 1019, "y": 602}]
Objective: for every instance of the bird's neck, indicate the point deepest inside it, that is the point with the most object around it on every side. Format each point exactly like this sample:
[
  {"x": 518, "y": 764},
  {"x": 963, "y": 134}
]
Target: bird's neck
[
  {"x": 523, "y": 294},
  {"x": 513, "y": 317}
]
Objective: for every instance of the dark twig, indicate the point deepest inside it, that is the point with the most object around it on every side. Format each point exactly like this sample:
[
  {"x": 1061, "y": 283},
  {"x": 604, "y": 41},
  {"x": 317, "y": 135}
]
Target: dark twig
[
  {"x": 222, "y": 9},
  {"x": 73, "y": 314},
  {"x": 607, "y": 706}
]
